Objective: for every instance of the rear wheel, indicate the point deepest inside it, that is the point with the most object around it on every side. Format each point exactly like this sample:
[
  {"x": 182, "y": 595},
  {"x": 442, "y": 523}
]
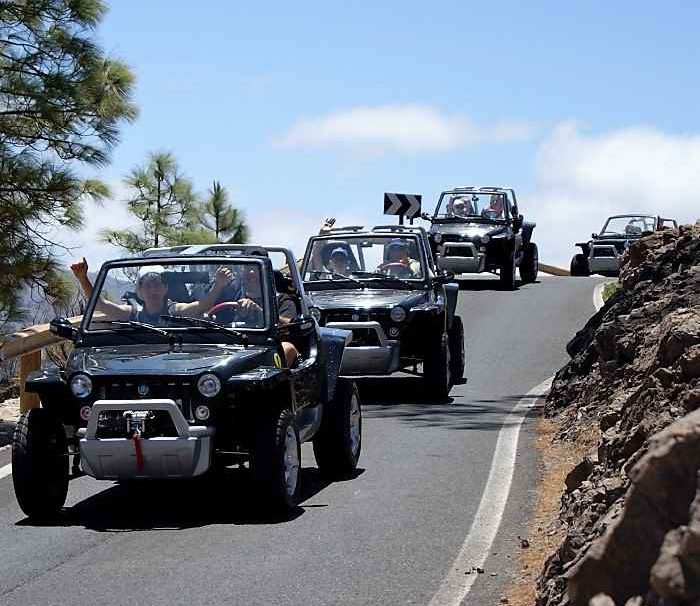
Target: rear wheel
[
  {"x": 457, "y": 350},
  {"x": 507, "y": 273},
  {"x": 579, "y": 266},
  {"x": 436, "y": 368},
  {"x": 276, "y": 461},
  {"x": 338, "y": 443},
  {"x": 40, "y": 464},
  {"x": 530, "y": 265}
]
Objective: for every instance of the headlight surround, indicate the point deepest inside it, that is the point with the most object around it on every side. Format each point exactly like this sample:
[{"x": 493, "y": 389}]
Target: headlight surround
[
  {"x": 315, "y": 313},
  {"x": 437, "y": 237},
  {"x": 81, "y": 385},
  {"x": 398, "y": 314},
  {"x": 209, "y": 385}
]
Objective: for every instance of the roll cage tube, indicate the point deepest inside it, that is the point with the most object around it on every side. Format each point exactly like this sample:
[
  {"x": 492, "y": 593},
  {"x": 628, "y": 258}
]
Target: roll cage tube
[
  {"x": 264, "y": 263},
  {"x": 510, "y": 203}
]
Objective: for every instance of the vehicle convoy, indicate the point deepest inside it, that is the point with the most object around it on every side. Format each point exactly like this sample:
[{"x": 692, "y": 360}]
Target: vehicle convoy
[
  {"x": 179, "y": 368},
  {"x": 382, "y": 284},
  {"x": 479, "y": 229},
  {"x": 603, "y": 252}
]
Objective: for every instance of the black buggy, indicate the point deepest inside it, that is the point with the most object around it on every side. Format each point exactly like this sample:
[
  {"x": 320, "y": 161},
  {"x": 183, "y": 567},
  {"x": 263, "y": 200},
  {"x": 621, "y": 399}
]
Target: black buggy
[
  {"x": 382, "y": 284},
  {"x": 154, "y": 389},
  {"x": 479, "y": 229}
]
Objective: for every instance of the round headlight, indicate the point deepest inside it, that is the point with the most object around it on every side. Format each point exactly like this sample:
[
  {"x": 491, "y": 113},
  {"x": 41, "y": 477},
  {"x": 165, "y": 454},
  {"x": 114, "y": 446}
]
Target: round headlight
[
  {"x": 202, "y": 412},
  {"x": 437, "y": 237},
  {"x": 485, "y": 239},
  {"x": 315, "y": 313},
  {"x": 398, "y": 314},
  {"x": 209, "y": 385},
  {"x": 81, "y": 385}
]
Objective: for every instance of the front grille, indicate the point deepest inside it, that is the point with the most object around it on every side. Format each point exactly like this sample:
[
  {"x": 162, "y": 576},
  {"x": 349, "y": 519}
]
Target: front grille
[
  {"x": 182, "y": 392},
  {"x": 360, "y": 315},
  {"x": 454, "y": 251},
  {"x": 603, "y": 252}
]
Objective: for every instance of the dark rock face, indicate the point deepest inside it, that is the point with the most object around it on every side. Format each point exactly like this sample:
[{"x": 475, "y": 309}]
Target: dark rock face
[{"x": 632, "y": 533}]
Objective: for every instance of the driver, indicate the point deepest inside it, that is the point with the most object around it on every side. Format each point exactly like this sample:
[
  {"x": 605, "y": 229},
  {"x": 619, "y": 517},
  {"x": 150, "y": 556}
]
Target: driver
[
  {"x": 495, "y": 208},
  {"x": 462, "y": 207},
  {"x": 151, "y": 289},
  {"x": 397, "y": 253},
  {"x": 338, "y": 263}
]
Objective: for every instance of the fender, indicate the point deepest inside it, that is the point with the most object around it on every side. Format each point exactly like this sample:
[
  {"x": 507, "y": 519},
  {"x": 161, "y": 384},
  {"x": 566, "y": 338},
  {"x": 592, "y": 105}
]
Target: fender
[
  {"x": 528, "y": 228},
  {"x": 451, "y": 294},
  {"x": 332, "y": 345}
]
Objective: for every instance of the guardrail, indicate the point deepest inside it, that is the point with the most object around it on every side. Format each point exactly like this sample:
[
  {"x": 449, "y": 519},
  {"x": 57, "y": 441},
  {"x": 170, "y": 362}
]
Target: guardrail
[{"x": 27, "y": 345}]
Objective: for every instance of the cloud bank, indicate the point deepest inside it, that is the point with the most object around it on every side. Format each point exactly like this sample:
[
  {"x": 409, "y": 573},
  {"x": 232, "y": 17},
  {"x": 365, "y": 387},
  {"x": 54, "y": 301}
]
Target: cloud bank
[
  {"x": 402, "y": 128},
  {"x": 581, "y": 179}
]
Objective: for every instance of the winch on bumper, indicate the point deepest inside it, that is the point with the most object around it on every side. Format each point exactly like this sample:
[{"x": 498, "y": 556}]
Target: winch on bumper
[
  {"x": 184, "y": 455},
  {"x": 461, "y": 257},
  {"x": 381, "y": 358}
]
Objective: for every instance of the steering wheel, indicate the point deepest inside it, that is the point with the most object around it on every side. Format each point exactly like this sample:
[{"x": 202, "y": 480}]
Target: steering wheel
[
  {"x": 230, "y": 305},
  {"x": 396, "y": 268}
]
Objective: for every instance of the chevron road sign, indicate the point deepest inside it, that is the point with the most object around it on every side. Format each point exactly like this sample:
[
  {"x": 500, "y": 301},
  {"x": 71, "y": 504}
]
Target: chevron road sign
[{"x": 405, "y": 205}]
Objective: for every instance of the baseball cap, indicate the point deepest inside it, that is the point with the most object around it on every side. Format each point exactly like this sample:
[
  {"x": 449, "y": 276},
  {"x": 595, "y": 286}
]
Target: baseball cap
[
  {"x": 339, "y": 251},
  {"x": 147, "y": 270}
]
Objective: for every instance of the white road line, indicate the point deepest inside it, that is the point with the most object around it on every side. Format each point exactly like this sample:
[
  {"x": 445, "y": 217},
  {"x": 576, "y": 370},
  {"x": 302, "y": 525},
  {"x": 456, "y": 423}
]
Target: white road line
[
  {"x": 5, "y": 470},
  {"x": 477, "y": 545}
]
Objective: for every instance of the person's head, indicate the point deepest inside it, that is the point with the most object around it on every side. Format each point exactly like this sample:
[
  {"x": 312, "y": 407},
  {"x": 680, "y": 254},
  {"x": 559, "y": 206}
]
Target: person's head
[
  {"x": 338, "y": 260},
  {"x": 496, "y": 204},
  {"x": 251, "y": 280},
  {"x": 397, "y": 251},
  {"x": 150, "y": 287}
]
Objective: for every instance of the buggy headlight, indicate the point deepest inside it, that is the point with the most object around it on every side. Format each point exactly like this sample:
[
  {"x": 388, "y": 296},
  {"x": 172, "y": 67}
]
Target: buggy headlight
[
  {"x": 315, "y": 313},
  {"x": 202, "y": 412},
  {"x": 81, "y": 385},
  {"x": 209, "y": 385},
  {"x": 437, "y": 237},
  {"x": 398, "y": 314}
]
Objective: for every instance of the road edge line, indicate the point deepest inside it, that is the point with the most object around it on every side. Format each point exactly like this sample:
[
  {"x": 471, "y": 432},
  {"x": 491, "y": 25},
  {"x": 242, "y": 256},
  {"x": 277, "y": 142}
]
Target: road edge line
[
  {"x": 476, "y": 548},
  {"x": 5, "y": 470}
]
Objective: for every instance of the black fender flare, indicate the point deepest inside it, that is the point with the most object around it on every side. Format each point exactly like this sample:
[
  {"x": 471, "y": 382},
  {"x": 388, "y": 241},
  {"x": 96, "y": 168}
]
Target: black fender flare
[{"x": 332, "y": 343}]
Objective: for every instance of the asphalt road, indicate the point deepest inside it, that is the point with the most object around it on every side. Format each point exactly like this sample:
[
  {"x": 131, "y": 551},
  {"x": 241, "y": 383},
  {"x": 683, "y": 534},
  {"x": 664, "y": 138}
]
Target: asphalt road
[{"x": 387, "y": 536}]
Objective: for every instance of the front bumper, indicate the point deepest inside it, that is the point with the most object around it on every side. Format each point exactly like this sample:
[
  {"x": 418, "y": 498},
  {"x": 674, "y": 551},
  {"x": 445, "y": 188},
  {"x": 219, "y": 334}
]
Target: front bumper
[
  {"x": 381, "y": 359},
  {"x": 461, "y": 258},
  {"x": 604, "y": 259},
  {"x": 185, "y": 455}
]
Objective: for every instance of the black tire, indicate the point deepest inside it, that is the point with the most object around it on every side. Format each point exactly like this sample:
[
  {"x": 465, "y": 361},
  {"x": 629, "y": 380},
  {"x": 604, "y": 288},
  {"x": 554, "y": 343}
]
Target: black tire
[
  {"x": 530, "y": 265},
  {"x": 436, "y": 368},
  {"x": 40, "y": 464},
  {"x": 277, "y": 479},
  {"x": 338, "y": 443},
  {"x": 579, "y": 266},
  {"x": 507, "y": 273},
  {"x": 457, "y": 350}
]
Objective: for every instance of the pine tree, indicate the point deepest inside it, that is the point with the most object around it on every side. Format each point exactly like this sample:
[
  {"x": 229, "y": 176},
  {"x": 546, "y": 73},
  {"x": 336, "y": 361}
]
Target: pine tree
[
  {"x": 61, "y": 103},
  {"x": 221, "y": 218},
  {"x": 162, "y": 199}
]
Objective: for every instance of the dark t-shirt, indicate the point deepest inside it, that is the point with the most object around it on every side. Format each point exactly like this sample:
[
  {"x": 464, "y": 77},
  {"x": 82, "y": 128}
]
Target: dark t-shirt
[{"x": 286, "y": 307}]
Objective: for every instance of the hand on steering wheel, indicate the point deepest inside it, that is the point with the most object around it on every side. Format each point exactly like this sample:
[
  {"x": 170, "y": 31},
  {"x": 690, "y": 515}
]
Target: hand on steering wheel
[{"x": 396, "y": 268}]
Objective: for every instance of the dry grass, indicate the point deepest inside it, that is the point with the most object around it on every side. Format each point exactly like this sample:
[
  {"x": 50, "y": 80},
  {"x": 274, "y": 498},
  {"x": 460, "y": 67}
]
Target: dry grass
[{"x": 545, "y": 533}]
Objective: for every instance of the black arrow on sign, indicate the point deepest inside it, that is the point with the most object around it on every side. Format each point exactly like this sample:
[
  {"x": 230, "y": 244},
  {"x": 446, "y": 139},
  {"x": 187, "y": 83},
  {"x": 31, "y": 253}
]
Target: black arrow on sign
[{"x": 407, "y": 205}]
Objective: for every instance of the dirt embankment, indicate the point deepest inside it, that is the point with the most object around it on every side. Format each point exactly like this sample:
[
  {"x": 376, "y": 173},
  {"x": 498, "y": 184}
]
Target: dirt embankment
[{"x": 630, "y": 513}]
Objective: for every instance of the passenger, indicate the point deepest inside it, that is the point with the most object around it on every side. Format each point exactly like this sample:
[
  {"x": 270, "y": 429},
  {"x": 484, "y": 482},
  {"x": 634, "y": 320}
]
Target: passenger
[
  {"x": 151, "y": 289},
  {"x": 495, "y": 208}
]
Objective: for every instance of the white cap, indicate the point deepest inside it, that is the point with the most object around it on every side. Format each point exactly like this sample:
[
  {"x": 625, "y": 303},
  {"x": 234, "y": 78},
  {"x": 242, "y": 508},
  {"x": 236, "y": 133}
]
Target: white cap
[{"x": 144, "y": 270}]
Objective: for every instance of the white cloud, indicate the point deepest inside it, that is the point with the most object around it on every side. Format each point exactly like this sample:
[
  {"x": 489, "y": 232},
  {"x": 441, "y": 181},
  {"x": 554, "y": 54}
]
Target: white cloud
[
  {"x": 582, "y": 179},
  {"x": 403, "y": 128}
]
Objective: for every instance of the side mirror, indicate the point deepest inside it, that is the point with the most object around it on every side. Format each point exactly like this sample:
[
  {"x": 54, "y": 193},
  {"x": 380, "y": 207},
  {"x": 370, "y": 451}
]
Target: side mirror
[
  {"x": 61, "y": 327},
  {"x": 594, "y": 236},
  {"x": 425, "y": 216},
  {"x": 444, "y": 278},
  {"x": 300, "y": 326}
]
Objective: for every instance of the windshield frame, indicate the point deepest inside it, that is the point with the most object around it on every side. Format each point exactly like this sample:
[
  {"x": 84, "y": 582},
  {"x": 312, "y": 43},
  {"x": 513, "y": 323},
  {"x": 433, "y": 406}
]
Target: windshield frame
[
  {"x": 630, "y": 216},
  {"x": 508, "y": 214},
  {"x": 324, "y": 284},
  {"x": 263, "y": 263}
]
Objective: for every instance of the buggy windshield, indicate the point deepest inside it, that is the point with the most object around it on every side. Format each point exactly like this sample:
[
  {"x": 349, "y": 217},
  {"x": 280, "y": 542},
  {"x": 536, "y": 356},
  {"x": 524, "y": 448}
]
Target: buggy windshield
[
  {"x": 461, "y": 205},
  {"x": 221, "y": 293},
  {"x": 358, "y": 258},
  {"x": 631, "y": 225}
]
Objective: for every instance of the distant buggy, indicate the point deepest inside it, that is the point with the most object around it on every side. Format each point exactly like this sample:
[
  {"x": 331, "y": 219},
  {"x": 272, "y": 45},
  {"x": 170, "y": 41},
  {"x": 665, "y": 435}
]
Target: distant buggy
[
  {"x": 382, "y": 284},
  {"x": 156, "y": 391},
  {"x": 479, "y": 229},
  {"x": 603, "y": 252}
]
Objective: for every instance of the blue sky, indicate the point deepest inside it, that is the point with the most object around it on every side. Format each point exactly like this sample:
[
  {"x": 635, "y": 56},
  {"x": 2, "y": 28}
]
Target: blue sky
[{"x": 309, "y": 109}]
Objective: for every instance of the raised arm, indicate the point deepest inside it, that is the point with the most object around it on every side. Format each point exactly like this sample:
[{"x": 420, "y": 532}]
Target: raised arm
[
  {"x": 223, "y": 277},
  {"x": 113, "y": 311}
]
